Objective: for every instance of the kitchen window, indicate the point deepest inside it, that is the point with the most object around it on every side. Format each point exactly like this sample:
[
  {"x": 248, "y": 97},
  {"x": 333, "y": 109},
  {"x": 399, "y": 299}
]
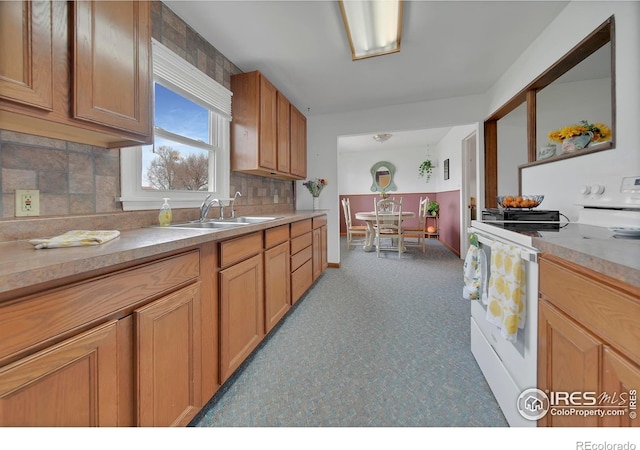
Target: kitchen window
[{"x": 189, "y": 157}]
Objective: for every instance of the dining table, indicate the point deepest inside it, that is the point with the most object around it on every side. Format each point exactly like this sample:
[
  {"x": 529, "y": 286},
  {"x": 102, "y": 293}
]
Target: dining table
[{"x": 369, "y": 218}]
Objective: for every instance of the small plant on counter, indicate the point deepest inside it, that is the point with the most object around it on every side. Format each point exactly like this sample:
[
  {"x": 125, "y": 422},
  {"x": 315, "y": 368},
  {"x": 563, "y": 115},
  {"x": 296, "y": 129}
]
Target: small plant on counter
[{"x": 315, "y": 186}]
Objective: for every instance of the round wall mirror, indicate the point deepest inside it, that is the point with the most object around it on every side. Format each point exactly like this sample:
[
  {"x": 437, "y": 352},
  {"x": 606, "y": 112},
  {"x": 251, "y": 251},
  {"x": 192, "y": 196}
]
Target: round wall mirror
[{"x": 382, "y": 174}]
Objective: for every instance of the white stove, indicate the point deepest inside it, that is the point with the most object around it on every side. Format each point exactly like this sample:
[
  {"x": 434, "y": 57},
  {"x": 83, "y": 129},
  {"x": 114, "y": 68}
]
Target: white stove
[{"x": 511, "y": 367}]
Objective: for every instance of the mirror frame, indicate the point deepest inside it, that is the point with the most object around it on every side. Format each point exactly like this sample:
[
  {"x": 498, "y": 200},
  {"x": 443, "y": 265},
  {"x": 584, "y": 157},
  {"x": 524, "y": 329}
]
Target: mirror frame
[
  {"x": 392, "y": 171},
  {"x": 601, "y": 36}
]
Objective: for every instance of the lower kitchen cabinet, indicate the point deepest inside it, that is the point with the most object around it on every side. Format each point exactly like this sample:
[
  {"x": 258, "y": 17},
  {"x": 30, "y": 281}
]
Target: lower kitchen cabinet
[
  {"x": 277, "y": 288},
  {"x": 571, "y": 362},
  {"x": 119, "y": 349},
  {"x": 301, "y": 258},
  {"x": 148, "y": 343},
  {"x": 319, "y": 246},
  {"x": 241, "y": 302},
  {"x": 168, "y": 339},
  {"x": 589, "y": 342},
  {"x": 71, "y": 384}
]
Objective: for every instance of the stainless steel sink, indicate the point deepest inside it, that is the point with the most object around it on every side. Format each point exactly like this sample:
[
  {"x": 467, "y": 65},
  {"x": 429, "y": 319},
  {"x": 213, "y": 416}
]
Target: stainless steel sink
[
  {"x": 225, "y": 223},
  {"x": 247, "y": 219},
  {"x": 208, "y": 225}
]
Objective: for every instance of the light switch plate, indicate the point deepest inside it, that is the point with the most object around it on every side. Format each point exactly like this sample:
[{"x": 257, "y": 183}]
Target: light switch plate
[{"x": 27, "y": 202}]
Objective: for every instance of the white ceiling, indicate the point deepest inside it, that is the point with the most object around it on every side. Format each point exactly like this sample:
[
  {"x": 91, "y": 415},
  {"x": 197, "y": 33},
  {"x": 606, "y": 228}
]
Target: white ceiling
[{"x": 449, "y": 49}]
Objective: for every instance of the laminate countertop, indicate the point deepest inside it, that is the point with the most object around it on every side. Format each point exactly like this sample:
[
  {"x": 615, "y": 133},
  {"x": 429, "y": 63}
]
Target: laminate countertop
[
  {"x": 596, "y": 248},
  {"x": 23, "y": 267}
]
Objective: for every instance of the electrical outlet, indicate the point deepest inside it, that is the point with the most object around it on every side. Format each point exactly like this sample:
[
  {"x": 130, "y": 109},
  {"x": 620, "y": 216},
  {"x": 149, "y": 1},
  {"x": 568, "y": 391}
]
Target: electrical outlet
[{"x": 27, "y": 202}]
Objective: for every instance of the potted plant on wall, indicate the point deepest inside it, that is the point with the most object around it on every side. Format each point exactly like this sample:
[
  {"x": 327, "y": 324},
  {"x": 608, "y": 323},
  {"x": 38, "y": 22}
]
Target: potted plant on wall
[{"x": 425, "y": 169}]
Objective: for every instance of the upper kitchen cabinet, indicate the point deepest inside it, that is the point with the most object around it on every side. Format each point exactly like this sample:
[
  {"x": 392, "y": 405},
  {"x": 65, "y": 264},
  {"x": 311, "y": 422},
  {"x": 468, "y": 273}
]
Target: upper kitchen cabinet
[
  {"x": 26, "y": 69},
  {"x": 78, "y": 71},
  {"x": 268, "y": 134},
  {"x": 298, "y": 144}
]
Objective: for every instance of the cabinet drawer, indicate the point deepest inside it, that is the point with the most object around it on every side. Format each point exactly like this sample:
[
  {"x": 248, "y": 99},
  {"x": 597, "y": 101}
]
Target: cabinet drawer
[
  {"x": 301, "y": 257},
  {"x": 276, "y": 235},
  {"x": 319, "y": 221},
  {"x": 40, "y": 318},
  {"x": 300, "y": 227},
  {"x": 301, "y": 280},
  {"x": 236, "y": 250},
  {"x": 301, "y": 242},
  {"x": 594, "y": 301}
]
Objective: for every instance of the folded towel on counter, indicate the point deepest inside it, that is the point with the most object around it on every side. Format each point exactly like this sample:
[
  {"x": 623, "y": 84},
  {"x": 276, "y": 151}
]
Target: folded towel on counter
[
  {"x": 76, "y": 238},
  {"x": 474, "y": 271},
  {"x": 506, "y": 294}
]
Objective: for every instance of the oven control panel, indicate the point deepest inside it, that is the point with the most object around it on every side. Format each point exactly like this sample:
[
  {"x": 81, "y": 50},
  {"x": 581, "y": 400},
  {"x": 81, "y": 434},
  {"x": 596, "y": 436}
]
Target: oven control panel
[
  {"x": 611, "y": 192},
  {"x": 630, "y": 185}
]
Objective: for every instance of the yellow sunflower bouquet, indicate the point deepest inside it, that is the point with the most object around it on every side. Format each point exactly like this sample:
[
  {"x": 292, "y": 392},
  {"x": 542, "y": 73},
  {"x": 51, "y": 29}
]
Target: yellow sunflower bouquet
[{"x": 601, "y": 132}]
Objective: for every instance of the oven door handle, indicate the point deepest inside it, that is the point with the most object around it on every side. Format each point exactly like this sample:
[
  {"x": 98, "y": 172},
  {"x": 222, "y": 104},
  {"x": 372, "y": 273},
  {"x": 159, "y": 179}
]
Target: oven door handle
[{"x": 524, "y": 254}]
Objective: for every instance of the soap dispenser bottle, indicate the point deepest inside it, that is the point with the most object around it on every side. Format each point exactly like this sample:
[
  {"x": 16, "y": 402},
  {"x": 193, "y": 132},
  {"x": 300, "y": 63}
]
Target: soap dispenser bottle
[{"x": 165, "y": 216}]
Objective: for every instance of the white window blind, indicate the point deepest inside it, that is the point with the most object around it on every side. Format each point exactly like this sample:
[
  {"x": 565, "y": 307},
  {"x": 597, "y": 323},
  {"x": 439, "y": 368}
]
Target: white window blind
[{"x": 192, "y": 83}]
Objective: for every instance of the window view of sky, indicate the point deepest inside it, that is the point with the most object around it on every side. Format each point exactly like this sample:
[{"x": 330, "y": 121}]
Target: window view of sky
[{"x": 178, "y": 115}]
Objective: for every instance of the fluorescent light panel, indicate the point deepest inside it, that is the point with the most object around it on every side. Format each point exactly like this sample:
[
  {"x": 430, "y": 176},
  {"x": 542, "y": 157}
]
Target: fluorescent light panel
[{"x": 374, "y": 27}]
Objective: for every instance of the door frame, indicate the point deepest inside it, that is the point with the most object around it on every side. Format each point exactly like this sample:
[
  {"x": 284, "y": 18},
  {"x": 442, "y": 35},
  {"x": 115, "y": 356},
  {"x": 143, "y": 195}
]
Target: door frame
[{"x": 470, "y": 185}]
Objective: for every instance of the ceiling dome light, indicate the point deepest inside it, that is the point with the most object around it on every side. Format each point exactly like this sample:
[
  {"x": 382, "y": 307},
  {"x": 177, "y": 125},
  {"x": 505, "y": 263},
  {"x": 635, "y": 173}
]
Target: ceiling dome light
[{"x": 382, "y": 137}]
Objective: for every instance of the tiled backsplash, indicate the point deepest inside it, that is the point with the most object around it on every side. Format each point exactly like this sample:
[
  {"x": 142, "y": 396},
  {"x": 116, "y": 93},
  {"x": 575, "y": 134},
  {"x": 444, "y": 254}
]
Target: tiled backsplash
[{"x": 78, "y": 181}]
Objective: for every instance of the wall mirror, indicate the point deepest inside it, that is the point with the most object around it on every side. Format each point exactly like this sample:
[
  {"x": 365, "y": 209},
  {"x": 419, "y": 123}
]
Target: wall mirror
[
  {"x": 382, "y": 174},
  {"x": 553, "y": 100}
]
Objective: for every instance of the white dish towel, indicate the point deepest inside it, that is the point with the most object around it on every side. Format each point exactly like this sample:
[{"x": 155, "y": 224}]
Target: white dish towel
[
  {"x": 507, "y": 291},
  {"x": 76, "y": 238},
  {"x": 474, "y": 273}
]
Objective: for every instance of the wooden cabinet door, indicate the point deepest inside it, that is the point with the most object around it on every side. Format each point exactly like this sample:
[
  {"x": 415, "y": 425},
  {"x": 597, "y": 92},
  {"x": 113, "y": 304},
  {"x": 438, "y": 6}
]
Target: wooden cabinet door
[
  {"x": 241, "y": 313},
  {"x": 168, "y": 340},
  {"x": 568, "y": 361},
  {"x": 112, "y": 70},
  {"x": 26, "y": 49},
  {"x": 317, "y": 253},
  {"x": 284, "y": 138},
  {"x": 268, "y": 125},
  {"x": 620, "y": 377},
  {"x": 71, "y": 384},
  {"x": 277, "y": 288},
  {"x": 324, "y": 261},
  {"x": 298, "y": 133}
]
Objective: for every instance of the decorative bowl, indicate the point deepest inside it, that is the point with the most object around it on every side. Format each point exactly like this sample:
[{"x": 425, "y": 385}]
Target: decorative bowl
[{"x": 519, "y": 201}]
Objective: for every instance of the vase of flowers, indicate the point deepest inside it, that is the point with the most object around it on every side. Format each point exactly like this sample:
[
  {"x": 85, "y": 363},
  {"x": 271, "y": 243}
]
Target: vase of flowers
[
  {"x": 315, "y": 187},
  {"x": 579, "y": 136}
]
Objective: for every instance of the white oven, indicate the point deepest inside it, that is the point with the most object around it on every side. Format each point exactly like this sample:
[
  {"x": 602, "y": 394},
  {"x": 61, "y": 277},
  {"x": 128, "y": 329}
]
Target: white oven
[{"x": 510, "y": 367}]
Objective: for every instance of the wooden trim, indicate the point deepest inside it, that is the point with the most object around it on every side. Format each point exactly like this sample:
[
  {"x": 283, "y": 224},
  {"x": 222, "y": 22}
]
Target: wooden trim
[
  {"x": 490, "y": 163},
  {"x": 531, "y": 129}
]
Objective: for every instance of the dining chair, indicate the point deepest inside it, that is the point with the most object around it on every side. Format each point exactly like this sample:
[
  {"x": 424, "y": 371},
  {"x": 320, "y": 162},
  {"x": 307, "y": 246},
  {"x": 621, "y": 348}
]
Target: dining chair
[
  {"x": 388, "y": 206},
  {"x": 352, "y": 230},
  {"x": 419, "y": 232},
  {"x": 389, "y": 226}
]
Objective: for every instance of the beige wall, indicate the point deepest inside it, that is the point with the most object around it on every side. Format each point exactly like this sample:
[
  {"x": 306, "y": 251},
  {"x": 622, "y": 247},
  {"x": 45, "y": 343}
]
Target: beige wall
[{"x": 78, "y": 179}]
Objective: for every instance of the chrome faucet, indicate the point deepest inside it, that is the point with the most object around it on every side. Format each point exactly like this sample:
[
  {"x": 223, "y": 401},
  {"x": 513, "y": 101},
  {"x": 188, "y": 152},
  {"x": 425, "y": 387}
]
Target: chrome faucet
[
  {"x": 233, "y": 204},
  {"x": 206, "y": 206}
]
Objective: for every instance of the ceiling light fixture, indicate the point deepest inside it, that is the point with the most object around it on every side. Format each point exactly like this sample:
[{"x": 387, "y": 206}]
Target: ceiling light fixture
[
  {"x": 373, "y": 27},
  {"x": 382, "y": 137}
]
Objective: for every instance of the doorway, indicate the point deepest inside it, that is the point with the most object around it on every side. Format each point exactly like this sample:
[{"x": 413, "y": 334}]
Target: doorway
[{"x": 469, "y": 189}]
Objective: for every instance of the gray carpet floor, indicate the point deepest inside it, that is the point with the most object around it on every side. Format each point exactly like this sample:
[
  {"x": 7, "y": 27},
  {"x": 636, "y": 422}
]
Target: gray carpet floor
[{"x": 379, "y": 342}]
